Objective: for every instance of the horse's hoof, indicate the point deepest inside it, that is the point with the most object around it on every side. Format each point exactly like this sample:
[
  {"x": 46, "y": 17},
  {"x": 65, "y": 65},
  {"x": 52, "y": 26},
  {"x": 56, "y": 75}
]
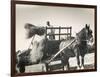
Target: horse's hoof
[
  {"x": 82, "y": 67},
  {"x": 65, "y": 68},
  {"x": 78, "y": 68},
  {"x": 44, "y": 68}
]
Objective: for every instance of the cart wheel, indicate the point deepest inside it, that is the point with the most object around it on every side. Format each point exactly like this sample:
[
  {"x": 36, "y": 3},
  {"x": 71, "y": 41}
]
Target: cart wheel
[{"x": 22, "y": 69}]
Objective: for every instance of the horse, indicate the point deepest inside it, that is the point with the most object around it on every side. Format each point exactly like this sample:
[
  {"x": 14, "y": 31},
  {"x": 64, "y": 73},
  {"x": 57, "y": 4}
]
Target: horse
[
  {"x": 78, "y": 48},
  {"x": 41, "y": 50}
]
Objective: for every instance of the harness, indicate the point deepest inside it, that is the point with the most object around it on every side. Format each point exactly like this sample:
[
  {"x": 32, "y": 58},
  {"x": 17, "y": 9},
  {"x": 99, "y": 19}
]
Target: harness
[{"x": 78, "y": 39}]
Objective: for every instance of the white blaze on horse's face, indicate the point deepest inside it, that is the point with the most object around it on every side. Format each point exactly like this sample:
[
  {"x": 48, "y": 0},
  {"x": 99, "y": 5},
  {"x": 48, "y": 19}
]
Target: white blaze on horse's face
[{"x": 89, "y": 35}]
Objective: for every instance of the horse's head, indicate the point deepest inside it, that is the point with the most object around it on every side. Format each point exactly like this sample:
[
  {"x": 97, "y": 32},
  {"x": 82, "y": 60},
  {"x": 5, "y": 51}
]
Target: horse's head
[
  {"x": 32, "y": 30},
  {"x": 89, "y": 36},
  {"x": 85, "y": 34}
]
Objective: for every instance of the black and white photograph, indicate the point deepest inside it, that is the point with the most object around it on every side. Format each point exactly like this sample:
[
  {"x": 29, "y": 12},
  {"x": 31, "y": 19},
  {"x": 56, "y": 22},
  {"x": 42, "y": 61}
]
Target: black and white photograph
[{"x": 54, "y": 39}]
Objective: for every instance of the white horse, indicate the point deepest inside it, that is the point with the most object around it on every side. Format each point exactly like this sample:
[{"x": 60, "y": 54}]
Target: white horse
[{"x": 34, "y": 55}]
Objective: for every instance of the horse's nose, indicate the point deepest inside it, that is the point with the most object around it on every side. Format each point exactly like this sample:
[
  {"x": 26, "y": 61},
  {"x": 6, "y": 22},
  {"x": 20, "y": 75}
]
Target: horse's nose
[
  {"x": 91, "y": 40},
  {"x": 91, "y": 31}
]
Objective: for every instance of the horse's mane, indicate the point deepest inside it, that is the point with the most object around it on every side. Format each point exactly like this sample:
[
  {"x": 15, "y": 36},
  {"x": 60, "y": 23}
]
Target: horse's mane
[
  {"x": 82, "y": 34},
  {"x": 28, "y": 25},
  {"x": 41, "y": 30},
  {"x": 35, "y": 30}
]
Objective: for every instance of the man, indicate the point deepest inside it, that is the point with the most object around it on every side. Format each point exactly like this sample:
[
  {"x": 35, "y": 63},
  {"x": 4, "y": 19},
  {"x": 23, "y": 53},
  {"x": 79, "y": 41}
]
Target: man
[{"x": 52, "y": 31}]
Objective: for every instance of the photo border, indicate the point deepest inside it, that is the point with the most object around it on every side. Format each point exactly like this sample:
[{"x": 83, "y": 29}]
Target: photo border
[{"x": 13, "y": 35}]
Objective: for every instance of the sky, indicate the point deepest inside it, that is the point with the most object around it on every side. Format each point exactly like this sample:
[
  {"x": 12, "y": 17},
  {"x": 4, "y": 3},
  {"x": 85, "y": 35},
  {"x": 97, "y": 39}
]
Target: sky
[{"x": 58, "y": 16}]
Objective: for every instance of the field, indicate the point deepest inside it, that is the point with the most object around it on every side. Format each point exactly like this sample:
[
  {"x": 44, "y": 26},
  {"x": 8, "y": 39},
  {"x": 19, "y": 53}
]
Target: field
[{"x": 89, "y": 64}]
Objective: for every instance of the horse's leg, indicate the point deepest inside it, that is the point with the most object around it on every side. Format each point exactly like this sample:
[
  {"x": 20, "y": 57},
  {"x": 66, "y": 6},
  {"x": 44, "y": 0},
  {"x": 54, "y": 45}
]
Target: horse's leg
[
  {"x": 67, "y": 62},
  {"x": 63, "y": 66},
  {"x": 82, "y": 59},
  {"x": 78, "y": 62},
  {"x": 47, "y": 68},
  {"x": 17, "y": 69},
  {"x": 64, "y": 63},
  {"x": 63, "y": 60},
  {"x": 44, "y": 68},
  {"x": 77, "y": 57}
]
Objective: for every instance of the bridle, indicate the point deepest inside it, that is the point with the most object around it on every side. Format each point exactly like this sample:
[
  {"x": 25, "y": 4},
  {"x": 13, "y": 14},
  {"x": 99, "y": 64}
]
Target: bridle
[{"x": 84, "y": 40}]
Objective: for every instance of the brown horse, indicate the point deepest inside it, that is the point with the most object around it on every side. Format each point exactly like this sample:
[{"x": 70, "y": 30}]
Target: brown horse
[{"x": 78, "y": 48}]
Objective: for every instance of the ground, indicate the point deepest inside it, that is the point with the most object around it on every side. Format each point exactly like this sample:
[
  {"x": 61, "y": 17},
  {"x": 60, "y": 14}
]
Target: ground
[{"x": 89, "y": 64}]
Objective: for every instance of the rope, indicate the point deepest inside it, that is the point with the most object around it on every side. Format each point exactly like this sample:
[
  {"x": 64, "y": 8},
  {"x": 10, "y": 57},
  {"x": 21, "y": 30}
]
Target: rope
[
  {"x": 28, "y": 47},
  {"x": 31, "y": 43}
]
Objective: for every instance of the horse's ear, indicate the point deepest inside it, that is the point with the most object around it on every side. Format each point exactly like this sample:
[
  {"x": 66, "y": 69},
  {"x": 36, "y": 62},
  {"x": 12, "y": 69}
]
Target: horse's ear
[
  {"x": 28, "y": 26},
  {"x": 89, "y": 25},
  {"x": 86, "y": 26}
]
